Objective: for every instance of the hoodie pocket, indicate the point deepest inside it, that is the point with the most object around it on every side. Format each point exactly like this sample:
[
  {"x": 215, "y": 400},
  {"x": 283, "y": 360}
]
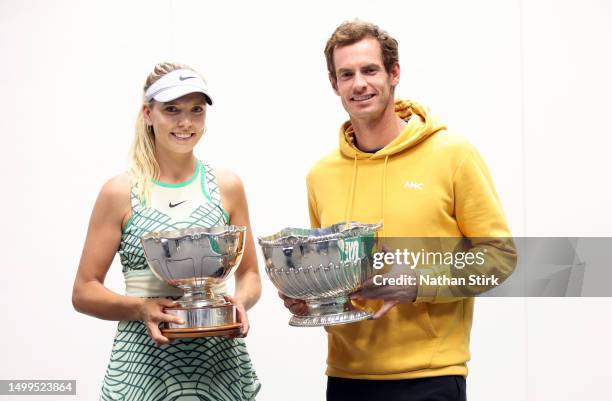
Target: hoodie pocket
[{"x": 425, "y": 320}]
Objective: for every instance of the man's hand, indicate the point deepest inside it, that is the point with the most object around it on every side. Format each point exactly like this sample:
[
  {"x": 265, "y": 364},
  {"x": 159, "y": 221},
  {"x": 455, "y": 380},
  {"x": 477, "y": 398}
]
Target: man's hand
[
  {"x": 390, "y": 294},
  {"x": 296, "y": 306}
]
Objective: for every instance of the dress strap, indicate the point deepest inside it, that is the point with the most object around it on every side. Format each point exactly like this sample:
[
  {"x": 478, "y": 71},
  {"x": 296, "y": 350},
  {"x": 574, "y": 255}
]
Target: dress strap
[{"x": 210, "y": 187}]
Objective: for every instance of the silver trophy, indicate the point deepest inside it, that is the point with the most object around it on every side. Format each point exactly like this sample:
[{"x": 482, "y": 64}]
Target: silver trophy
[
  {"x": 322, "y": 267},
  {"x": 197, "y": 260}
]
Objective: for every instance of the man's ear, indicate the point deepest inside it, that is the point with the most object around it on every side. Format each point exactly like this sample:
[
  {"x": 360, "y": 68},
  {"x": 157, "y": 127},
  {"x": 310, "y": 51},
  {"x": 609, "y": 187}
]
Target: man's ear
[
  {"x": 334, "y": 83},
  {"x": 395, "y": 74}
]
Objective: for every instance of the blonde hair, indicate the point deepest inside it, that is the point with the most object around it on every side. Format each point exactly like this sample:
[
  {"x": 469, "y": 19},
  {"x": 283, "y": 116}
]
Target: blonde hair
[{"x": 144, "y": 167}]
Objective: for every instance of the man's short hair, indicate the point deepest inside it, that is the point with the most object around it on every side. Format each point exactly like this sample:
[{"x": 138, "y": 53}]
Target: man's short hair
[{"x": 350, "y": 32}]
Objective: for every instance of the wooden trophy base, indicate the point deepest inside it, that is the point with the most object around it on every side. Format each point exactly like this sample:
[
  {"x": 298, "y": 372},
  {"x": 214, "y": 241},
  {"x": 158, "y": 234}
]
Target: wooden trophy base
[{"x": 232, "y": 330}]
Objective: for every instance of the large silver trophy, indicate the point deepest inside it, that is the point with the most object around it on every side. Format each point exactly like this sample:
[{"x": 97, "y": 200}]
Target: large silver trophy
[
  {"x": 197, "y": 260},
  {"x": 322, "y": 267}
]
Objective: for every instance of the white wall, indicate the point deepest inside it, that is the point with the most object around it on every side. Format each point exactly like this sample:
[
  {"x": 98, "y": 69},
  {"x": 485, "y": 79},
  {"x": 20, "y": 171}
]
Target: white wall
[
  {"x": 526, "y": 81},
  {"x": 567, "y": 103}
]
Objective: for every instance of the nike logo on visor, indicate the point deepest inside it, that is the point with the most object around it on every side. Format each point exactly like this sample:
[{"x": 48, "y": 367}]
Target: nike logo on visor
[{"x": 182, "y": 78}]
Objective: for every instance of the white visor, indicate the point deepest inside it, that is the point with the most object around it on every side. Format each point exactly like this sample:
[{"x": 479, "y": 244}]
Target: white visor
[{"x": 176, "y": 84}]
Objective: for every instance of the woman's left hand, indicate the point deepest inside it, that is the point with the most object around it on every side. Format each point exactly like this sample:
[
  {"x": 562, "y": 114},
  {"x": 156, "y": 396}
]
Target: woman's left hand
[{"x": 241, "y": 316}]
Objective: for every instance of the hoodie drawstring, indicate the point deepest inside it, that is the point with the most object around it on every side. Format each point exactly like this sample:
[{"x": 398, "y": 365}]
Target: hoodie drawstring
[
  {"x": 384, "y": 196},
  {"x": 351, "y": 197},
  {"x": 420, "y": 126}
]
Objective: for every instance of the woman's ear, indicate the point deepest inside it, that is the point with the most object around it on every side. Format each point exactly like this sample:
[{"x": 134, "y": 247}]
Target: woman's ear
[{"x": 146, "y": 114}]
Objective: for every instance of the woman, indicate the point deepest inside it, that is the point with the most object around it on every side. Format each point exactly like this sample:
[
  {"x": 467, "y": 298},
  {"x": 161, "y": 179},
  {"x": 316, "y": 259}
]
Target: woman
[{"x": 166, "y": 188}]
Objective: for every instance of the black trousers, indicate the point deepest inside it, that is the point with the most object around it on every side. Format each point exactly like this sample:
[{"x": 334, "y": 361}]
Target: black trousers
[{"x": 442, "y": 388}]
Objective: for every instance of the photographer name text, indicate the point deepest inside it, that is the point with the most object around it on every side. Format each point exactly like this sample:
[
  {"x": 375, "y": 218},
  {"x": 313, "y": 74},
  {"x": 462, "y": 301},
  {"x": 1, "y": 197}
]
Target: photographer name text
[{"x": 408, "y": 280}]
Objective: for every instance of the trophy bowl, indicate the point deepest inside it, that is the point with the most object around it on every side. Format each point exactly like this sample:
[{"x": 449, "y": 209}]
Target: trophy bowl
[
  {"x": 197, "y": 260},
  {"x": 322, "y": 267}
]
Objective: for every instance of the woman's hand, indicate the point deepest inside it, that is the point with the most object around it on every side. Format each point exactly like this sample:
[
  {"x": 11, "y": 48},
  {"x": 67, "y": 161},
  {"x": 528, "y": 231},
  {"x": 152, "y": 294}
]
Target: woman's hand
[
  {"x": 152, "y": 313},
  {"x": 241, "y": 316}
]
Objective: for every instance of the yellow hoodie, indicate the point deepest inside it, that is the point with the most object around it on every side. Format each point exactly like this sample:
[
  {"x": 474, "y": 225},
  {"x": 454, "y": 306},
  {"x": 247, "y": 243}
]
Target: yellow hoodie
[{"x": 427, "y": 182}]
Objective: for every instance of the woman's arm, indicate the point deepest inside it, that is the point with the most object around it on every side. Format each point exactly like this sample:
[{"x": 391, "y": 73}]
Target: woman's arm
[
  {"x": 89, "y": 296},
  {"x": 233, "y": 198}
]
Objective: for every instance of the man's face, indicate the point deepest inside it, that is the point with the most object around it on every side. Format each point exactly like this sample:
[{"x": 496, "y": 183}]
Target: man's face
[{"x": 363, "y": 84}]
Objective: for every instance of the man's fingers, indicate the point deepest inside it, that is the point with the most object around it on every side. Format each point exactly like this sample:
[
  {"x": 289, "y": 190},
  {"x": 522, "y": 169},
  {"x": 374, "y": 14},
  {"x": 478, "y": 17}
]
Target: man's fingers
[
  {"x": 387, "y": 305},
  {"x": 299, "y": 309},
  {"x": 364, "y": 291},
  {"x": 290, "y": 303},
  {"x": 295, "y": 306}
]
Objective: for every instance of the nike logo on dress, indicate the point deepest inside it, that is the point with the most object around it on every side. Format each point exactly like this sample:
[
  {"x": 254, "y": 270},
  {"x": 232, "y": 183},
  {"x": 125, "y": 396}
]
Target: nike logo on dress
[
  {"x": 182, "y": 78},
  {"x": 176, "y": 204}
]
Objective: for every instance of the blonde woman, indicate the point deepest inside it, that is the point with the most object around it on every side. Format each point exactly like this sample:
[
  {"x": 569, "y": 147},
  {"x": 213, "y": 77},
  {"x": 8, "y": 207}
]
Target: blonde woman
[{"x": 166, "y": 188}]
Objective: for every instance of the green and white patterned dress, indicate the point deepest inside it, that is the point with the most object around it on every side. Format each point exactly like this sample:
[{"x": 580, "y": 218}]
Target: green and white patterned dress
[{"x": 209, "y": 368}]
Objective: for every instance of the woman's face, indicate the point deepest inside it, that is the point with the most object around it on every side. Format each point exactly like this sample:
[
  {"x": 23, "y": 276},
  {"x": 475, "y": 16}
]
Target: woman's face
[{"x": 178, "y": 124}]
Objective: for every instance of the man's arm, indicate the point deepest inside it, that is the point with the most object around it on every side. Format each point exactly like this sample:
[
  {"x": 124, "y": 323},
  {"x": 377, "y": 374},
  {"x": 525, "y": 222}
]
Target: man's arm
[{"x": 482, "y": 222}]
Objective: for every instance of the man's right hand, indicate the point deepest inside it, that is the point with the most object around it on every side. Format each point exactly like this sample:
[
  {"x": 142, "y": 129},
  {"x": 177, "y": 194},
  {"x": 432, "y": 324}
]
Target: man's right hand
[{"x": 296, "y": 306}]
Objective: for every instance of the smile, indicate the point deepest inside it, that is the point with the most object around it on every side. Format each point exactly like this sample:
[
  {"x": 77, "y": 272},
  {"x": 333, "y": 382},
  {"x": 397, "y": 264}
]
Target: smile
[
  {"x": 182, "y": 136},
  {"x": 362, "y": 98}
]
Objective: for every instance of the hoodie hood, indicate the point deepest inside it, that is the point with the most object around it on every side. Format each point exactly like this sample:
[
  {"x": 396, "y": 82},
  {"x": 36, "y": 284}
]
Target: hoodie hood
[{"x": 420, "y": 126}]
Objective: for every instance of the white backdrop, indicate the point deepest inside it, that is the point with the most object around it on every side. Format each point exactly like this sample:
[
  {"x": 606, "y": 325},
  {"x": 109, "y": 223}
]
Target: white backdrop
[{"x": 527, "y": 81}]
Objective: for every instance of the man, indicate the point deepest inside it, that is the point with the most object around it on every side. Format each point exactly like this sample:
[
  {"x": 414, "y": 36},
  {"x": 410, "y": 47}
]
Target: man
[{"x": 398, "y": 164}]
